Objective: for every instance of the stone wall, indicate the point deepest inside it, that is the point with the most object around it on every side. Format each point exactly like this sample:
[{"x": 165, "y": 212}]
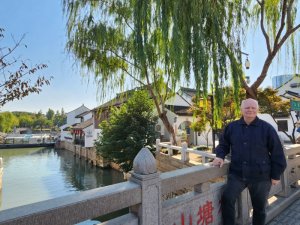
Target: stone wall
[{"x": 88, "y": 153}]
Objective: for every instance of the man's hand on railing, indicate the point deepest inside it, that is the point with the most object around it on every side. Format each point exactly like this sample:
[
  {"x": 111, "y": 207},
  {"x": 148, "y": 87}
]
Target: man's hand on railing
[{"x": 217, "y": 162}]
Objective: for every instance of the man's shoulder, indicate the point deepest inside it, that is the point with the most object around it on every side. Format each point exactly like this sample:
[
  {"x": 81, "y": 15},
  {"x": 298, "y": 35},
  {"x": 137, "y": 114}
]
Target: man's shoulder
[
  {"x": 265, "y": 124},
  {"x": 235, "y": 122}
]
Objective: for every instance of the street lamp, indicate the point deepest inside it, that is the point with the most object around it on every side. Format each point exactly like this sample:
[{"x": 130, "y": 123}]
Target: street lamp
[{"x": 247, "y": 62}]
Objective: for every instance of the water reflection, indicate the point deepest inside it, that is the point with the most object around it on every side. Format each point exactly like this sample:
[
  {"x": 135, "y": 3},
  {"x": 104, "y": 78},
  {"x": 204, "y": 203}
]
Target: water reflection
[{"x": 32, "y": 175}]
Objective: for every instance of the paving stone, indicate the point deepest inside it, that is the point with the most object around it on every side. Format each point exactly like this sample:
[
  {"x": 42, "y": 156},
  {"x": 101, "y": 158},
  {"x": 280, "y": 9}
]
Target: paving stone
[{"x": 290, "y": 216}]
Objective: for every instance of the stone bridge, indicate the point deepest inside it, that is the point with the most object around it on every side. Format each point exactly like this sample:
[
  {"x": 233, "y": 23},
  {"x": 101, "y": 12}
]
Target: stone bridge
[{"x": 184, "y": 196}]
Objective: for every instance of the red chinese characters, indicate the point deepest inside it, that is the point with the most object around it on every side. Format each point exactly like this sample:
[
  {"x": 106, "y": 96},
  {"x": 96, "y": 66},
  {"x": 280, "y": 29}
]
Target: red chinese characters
[{"x": 204, "y": 214}]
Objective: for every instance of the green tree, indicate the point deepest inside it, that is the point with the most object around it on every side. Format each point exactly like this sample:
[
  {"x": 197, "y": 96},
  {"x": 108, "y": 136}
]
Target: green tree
[
  {"x": 60, "y": 118},
  {"x": 122, "y": 46},
  {"x": 8, "y": 122},
  {"x": 155, "y": 42},
  {"x": 129, "y": 128},
  {"x": 274, "y": 105},
  {"x": 202, "y": 110},
  {"x": 40, "y": 121},
  {"x": 50, "y": 114},
  {"x": 25, "y": 120},
  {"x": 210, "y": 36},
  {"x": 16, "y": 80}
]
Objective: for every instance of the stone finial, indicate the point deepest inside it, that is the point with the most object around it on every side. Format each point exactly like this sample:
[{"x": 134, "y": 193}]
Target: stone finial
[{"x": 144, "y": 163}]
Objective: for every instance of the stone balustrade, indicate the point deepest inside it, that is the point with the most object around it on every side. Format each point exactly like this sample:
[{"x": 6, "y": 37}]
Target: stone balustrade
[
  {"x": 143, "y": 195},
  {"x": 184, "y": 151}
]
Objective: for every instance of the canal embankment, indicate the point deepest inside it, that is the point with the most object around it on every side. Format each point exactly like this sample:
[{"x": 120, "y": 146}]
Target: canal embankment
[{"x": 89, "y": 153}]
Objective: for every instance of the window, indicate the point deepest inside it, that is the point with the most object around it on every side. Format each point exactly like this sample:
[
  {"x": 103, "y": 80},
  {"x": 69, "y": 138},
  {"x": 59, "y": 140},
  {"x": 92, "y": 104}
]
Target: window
[
  {"x": 294, "y": 85},
  {"x": 282, "y": 125}
]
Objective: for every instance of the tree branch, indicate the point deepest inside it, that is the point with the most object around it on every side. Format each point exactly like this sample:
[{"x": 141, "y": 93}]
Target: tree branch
[
  {"x": 133, "y": 77},
  {"x": 287, "y": 34},
  {"x": 289, "y": 20},
  {"x": 282, "y": 23},
  {"x": 263, "y": 28},
  {"x": 17, "y": 44}
]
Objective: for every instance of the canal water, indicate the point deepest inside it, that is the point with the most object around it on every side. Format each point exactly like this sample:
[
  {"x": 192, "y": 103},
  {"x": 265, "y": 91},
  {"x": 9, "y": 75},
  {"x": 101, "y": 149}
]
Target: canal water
[{"x": 36, "y": 174}]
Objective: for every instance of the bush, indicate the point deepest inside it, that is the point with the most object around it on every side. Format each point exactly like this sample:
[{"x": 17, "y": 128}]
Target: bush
[{"x": 127, "y": 131}]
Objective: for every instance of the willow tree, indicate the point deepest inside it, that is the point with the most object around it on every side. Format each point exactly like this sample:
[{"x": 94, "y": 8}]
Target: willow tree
[
  {"x": 211, "y": 35},
  {"x": 153, "y": 44},
  {"x": 158, "y": 43},
  {"x": 120, "y": 42},
  {"x": 278, "y": 24}
]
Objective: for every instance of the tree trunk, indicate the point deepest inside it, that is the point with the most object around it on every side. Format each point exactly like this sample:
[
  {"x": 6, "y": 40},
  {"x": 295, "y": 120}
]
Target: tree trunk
[
  {"x": 169, "y": 127},
  {"x": 251, "y": 93}
]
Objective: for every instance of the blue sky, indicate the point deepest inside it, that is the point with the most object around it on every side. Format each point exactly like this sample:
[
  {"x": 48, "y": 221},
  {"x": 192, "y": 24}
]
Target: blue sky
[{"x": 44, "y": 25}]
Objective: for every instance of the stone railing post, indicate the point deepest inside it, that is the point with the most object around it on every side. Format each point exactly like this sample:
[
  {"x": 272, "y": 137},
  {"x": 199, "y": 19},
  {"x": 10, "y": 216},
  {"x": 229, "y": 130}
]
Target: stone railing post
[
  {"x": 244, "y": 206},
  {"x": 145, "y": 174},
  {"x": 170, "y": 150},
  {"x": 184, "y": 153},
  {"x": 158, "y": 147}
]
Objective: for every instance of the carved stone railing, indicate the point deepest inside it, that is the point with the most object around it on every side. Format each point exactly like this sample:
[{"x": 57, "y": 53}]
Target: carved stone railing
[
  {"x": 142, "y": 194},
  {"x": 184, "y": 151}
]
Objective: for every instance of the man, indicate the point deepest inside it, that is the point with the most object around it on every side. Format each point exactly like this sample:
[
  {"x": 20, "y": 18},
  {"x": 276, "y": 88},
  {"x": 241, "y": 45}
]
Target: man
[{"x": 257, "y": 161}]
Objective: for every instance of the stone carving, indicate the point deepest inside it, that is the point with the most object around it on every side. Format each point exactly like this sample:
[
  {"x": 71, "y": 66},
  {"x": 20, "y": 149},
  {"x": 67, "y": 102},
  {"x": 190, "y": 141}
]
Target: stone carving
[{"x": 144, "y": 163}]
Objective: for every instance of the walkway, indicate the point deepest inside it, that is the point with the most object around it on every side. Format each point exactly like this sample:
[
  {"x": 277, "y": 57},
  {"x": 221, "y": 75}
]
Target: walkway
[{"x": 290, "y": 216}]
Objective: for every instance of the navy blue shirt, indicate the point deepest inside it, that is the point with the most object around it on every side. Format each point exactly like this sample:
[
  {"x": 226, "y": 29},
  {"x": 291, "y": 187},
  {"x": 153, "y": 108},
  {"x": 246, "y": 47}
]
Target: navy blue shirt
[{"x": 256, "y": 151}]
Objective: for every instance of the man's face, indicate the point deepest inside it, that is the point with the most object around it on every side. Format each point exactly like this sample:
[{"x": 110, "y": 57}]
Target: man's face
[{"x": 249, "y": 109}]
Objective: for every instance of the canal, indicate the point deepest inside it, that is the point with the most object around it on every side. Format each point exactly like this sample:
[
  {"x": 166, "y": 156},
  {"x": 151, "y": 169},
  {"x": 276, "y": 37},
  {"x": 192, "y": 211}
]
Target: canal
[{"x": 36, "y": 174}]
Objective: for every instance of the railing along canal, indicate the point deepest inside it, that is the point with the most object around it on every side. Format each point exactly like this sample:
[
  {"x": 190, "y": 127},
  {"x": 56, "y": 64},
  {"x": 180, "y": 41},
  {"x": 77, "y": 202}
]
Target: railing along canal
[{"x": 144, "y": 192}]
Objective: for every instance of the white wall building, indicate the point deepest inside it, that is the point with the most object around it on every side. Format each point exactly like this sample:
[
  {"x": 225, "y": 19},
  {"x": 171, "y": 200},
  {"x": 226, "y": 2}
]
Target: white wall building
[
  {"x": 72, "y": 120},
  {"x": 72, "y": 116}
]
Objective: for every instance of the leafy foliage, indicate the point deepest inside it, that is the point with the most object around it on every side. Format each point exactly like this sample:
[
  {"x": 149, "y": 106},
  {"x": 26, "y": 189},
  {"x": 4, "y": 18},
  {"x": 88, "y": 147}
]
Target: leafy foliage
[
  {"x": 16, "y": 76},
  {"x": 8, "y": 121},
  {"x": 202, "y": 110},
  {"x": 153, "y": 42},
  {"x": 50, "y": 114},
  {"x": 31, "y": 120},
  {"x": 160, "y": 43},
  {"x": 128, "y": 130}
]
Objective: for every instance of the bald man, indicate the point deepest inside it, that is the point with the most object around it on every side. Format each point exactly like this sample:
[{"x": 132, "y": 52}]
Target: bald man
[{"x": 257, "y": 161}]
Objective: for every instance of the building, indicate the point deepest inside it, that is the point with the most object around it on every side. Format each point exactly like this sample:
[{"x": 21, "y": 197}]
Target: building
[
  {"x": 72, "y": 120},
  {"x": 289, "y": 89},
  {"x": 279, "y": 80}
]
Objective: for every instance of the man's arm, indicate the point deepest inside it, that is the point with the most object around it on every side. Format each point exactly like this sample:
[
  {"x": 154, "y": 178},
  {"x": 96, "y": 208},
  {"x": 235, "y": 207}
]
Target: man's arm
[{"x": 278, "y": 159}]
